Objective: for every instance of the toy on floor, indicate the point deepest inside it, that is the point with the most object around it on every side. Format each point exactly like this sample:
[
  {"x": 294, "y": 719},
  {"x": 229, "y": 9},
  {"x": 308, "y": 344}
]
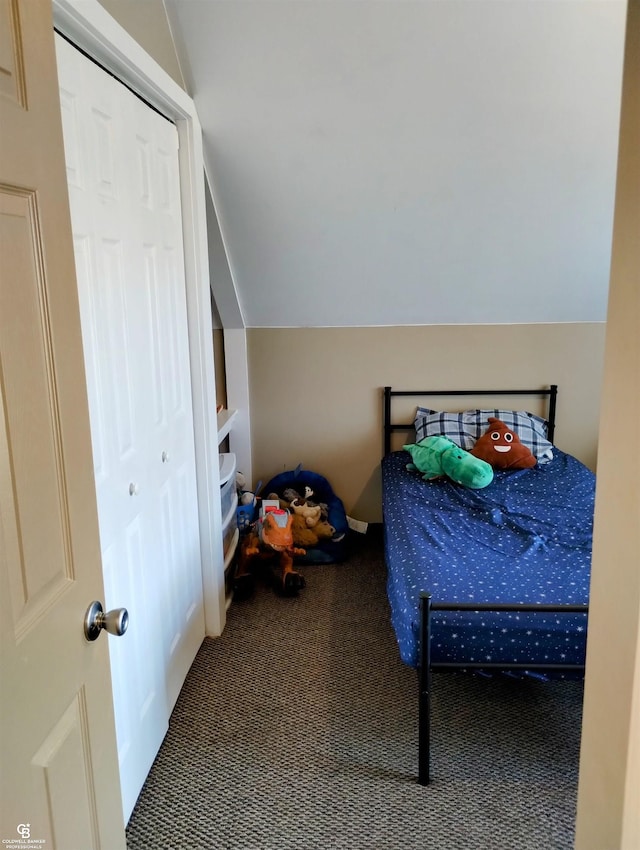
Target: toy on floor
[
  {"x": 245, "y": 497},
  {"x": 307, "y": 537},
  {"x": 269, "y": 543},
  {"x": 297, "y": 501},
  {"x": 303, "y": 485},
  {"x": 438, "y": 456},
  {"x": 307, "y": 534}
]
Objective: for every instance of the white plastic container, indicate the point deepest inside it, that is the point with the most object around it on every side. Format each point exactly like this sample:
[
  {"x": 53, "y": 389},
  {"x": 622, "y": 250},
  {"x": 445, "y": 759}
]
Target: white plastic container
[
  {"x": 229, "y": 524},
  {"x": 227, "y": 483}
]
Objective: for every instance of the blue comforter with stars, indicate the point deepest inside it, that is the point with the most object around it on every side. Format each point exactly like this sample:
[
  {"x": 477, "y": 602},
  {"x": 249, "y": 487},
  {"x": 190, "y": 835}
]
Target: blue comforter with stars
[{"x": 525, "y": 538}]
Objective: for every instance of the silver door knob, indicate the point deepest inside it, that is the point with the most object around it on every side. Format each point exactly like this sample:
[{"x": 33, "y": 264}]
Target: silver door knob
[{"x": 115, "y": 621}]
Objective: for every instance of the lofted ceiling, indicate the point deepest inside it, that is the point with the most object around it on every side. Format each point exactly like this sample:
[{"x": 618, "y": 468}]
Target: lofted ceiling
[{"x": 395, "y": 162}]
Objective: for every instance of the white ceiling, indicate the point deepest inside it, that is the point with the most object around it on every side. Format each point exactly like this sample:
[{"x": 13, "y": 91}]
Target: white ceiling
[{"x": 390, "y": 162}]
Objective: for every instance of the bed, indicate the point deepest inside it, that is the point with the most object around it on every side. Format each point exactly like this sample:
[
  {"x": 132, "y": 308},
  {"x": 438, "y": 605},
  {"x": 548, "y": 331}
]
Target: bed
[{"x": 494, "y": 580}]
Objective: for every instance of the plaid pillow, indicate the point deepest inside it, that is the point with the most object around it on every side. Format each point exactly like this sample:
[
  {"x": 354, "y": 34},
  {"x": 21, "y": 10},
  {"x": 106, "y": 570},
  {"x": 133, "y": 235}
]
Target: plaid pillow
[
  {"x": 467, "y": 427},
  {"x": 435, "y": 423}
]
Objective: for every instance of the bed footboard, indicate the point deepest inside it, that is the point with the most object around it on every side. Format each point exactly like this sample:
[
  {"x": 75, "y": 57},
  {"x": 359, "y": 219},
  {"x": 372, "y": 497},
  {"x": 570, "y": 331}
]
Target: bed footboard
[{"x": 426, "y": 666}]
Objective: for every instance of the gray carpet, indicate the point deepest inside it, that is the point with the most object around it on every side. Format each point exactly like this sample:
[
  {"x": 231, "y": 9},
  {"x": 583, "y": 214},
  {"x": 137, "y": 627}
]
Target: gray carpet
[{"x": 296, "y": 730}]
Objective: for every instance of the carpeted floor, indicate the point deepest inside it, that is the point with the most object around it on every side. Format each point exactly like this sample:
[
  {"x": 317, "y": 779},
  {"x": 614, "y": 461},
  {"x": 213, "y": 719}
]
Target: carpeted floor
[{"x": 296, "y": 730}]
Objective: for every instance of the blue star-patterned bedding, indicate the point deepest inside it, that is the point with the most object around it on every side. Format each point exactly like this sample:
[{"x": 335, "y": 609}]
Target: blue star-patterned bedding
[{"x": 526, "y": 538}]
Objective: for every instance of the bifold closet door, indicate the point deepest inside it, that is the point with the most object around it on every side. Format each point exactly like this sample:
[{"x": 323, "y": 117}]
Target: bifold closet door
[{"x": 123, "y": 177}]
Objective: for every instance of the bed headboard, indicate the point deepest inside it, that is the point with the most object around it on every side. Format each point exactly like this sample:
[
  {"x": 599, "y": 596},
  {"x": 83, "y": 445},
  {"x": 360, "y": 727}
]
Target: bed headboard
[{"x": 550, "y": 393}]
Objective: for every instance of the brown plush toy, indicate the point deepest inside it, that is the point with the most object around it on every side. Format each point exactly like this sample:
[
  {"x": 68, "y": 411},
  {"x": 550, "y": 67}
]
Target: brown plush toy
[
  {"x": 310, "y": 537},
  {"x": 501, "y": 447}
]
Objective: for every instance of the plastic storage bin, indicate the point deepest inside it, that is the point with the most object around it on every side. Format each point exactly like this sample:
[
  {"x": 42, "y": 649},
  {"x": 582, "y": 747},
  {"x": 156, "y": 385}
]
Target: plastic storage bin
[
  {"x": 227, "y": 483},
  {"x": 229, "y": 525}
]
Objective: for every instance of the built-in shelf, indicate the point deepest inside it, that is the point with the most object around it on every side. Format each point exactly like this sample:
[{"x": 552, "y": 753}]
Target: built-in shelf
[{"x": 225, "y": 423}]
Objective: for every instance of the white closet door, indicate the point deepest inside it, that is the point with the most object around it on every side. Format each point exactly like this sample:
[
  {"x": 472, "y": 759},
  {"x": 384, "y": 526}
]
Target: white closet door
[{"x": 122, "y": 169}]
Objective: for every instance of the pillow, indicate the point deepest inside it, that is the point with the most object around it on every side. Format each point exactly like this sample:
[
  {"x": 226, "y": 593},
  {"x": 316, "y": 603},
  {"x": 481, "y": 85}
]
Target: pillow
[
  {"x": 465, "y": 428},
  {"x": 501, "y": 448},
  {"x": 434, "y": 423}
]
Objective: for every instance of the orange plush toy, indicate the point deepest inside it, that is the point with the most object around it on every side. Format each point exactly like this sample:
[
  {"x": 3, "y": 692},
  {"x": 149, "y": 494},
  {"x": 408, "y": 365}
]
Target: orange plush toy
[
  {"x": 501, "y": 447},
  {"x": 271, "y": 540}
]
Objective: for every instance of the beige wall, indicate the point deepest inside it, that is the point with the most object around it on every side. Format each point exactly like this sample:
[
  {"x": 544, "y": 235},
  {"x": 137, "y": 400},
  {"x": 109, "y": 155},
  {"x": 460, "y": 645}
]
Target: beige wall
[
  {"x": 316, "y": 398},
  {"x": 146, "y": 21},
  {"x": 609, "y": 788}
]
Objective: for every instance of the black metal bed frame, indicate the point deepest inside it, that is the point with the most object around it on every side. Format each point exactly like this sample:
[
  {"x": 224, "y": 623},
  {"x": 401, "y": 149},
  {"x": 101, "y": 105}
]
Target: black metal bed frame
[
  {"x": 389, "y": 427},
  {"x": 427, "y": 606}
]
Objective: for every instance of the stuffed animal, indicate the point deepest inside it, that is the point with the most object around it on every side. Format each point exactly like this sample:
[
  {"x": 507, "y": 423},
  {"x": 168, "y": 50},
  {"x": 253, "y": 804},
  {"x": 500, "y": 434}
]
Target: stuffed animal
[
  {"x": 310, "y": 537},
  {"x": 245, "y": 497},
  {"x": 438, "y": 456},
  {"x": 501, "y": 448},
  {"x": 270, "y": 540},
  {"x": 284, "y": 505},
  {"x": 311, "y": 513},
  {"x": 290, "y": 495}
]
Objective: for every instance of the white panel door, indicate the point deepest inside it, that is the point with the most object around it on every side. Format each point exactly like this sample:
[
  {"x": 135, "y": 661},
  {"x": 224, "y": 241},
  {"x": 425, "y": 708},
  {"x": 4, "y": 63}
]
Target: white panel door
[{"x": 122, "y": 171}]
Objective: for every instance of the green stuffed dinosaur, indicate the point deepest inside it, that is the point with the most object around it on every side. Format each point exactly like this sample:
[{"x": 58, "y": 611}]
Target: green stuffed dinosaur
[{"x": 436, "y": 456}]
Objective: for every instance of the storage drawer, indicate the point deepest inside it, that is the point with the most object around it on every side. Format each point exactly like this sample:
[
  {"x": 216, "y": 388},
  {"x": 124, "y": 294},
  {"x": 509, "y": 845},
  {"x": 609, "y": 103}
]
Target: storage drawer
[
  {"x": 227, "y": 483},
  {"x": 229, "y": 523},
  {"x": 227, "y": 461},
  {"x": 233, "y": 543}
]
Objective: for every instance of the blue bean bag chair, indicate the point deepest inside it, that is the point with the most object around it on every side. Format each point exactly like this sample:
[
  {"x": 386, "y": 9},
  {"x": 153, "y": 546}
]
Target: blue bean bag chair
[{"x": 329, "y": 551}]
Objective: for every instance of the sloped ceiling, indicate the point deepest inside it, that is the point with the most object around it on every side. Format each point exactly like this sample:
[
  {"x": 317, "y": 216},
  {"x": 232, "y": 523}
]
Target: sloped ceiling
[{"x": 390, "y": 162}]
